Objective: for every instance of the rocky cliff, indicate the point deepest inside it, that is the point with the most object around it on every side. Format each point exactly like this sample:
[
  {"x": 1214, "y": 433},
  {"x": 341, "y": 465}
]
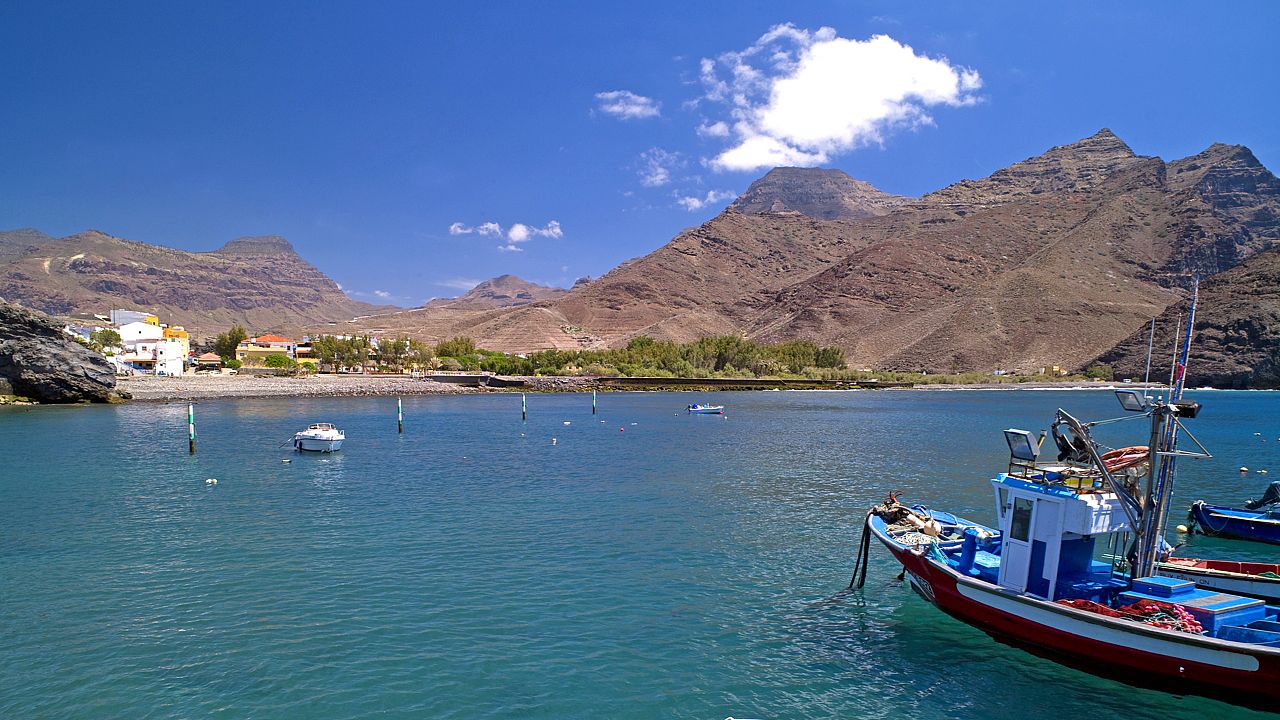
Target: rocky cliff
[{"x": 40, "y": 362}]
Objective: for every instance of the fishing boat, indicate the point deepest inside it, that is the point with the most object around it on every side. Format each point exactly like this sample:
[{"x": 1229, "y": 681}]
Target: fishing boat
[
  {"x": 1251, "y": 579},
  {"x": 699, "y": 409},
  {"x": 319, "y": 437},
  {"x": 1258, "y": 520},
  {"x": 1069, "y": 570}
]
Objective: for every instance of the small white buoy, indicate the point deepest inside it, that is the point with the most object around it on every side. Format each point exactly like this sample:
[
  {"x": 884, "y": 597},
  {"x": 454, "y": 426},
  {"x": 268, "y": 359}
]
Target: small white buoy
[
  {"x": 286, "y": 460},
  {"x": 211, "y": 481},
  {"x": 566, "y": 422},
  {"x": 1262, "y": 472},
  {"x": 635, "y": 423},
  {"x": 1182, "y": 529},
  {"x": 1244, "y": 469},
  {"x": 553, "y": 441},
  {"x": 1257, "y": 434}
]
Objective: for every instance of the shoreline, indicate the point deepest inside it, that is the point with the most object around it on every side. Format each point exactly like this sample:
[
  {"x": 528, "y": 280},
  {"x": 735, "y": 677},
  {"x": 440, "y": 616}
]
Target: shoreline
[{"x": 210, "y": 387}]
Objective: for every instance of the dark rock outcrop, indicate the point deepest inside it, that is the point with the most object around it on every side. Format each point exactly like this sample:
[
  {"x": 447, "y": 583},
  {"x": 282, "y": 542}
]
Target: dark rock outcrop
[
  {"x": 1237, "y": 333},
  {"x": 40, "y": 362}
]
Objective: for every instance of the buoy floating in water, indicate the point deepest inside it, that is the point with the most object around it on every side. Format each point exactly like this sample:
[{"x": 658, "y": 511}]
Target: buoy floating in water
[
  {"x": 1244, "y": 469},
  {"x": 553, "y": 441},
  {"x": 566, "y": 422},
  {"x": 211, "y": 481},
  {"x": 1183, "y": 529},
  {"x": 286, "y": 460},
  {"x": 1262, "y": 472}
]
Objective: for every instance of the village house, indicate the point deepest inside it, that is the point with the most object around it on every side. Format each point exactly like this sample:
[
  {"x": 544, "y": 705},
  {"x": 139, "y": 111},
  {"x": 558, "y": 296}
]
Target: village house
[{"x": 254, "y": 350}]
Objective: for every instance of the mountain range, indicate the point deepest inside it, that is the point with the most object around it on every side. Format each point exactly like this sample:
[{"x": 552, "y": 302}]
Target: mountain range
[
  {"x": 1060, "y": 259},
  {"x": 258, "y": 282},
  {"x": 1051, "y": 261}
]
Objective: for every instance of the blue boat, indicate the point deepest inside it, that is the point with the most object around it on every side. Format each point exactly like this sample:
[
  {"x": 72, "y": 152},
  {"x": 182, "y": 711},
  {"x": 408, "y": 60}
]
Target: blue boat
[
  {"x": 699, "y": 409},
  {"x": 1261, "y": 524}
]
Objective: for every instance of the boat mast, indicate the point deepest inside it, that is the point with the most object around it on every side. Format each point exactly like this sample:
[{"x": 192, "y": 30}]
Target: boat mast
[{"x": 1164, "y": 453}]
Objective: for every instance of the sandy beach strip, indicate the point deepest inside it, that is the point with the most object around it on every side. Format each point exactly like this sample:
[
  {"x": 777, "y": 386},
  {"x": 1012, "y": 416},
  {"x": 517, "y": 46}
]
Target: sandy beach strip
[{"x": 203, "y": 387}]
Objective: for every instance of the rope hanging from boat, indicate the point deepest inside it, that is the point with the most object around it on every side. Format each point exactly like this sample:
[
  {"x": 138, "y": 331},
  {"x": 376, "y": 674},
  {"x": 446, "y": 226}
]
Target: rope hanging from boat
[{"x": 864, "y": 551}]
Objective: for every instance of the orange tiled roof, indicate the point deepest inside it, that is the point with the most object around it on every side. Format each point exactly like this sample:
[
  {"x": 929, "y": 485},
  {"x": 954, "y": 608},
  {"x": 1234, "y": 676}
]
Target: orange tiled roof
[
  {"x": 271, "y": 339},
  {"x": 210, "y": 357}
]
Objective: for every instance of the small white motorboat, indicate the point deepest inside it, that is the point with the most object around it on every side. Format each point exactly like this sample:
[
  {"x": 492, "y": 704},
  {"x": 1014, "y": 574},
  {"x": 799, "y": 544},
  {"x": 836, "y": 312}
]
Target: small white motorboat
[
  {"x": 699, "y": 409},
  {"x": 319, "y": 437}
]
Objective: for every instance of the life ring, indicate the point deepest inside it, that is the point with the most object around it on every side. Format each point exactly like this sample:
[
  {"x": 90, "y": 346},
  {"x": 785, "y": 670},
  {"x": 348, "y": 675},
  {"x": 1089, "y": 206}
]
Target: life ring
[{"x": 1122, "y": 458}]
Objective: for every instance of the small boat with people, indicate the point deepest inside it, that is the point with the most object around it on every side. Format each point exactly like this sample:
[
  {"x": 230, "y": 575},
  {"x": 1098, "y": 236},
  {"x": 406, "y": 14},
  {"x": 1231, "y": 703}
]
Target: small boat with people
[
  {"x": 1076, "y": 567},
  {"x": 1258, "y": 520},
  {"x": 700, "y": 409},
  {"x": 319, "y": 437}
]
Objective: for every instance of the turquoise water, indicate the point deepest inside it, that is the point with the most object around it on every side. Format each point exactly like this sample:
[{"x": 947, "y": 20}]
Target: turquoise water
[{"x": 683, "y": 567}]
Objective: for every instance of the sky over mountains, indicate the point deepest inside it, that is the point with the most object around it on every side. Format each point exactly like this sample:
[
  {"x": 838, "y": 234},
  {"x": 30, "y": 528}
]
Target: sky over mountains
[{"x": 407, "y": 150}]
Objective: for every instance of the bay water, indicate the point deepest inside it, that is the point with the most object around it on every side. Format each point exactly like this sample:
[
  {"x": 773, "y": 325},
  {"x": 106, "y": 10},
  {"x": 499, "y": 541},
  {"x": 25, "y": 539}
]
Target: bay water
[{"x": 639, "y": 563}]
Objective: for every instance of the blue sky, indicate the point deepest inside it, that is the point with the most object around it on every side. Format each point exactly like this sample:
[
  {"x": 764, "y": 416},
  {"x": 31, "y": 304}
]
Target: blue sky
[{"x": 587, "y": 133}]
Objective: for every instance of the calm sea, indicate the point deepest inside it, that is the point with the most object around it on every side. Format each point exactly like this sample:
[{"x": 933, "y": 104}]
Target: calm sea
[{"x": 645, "y": 564}]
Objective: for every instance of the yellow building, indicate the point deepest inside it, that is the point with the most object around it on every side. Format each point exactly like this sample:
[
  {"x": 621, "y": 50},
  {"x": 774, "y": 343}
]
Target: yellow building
[{"x": 179, "y": 333}]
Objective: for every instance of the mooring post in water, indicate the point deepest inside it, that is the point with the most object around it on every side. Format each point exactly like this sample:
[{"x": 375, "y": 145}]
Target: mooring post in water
[
  {"x": 400, "y": 414},
  {"x": 524, "y": 409},
  {"x": 191, "y": 428},
  {"x": 593, "y": 402}
]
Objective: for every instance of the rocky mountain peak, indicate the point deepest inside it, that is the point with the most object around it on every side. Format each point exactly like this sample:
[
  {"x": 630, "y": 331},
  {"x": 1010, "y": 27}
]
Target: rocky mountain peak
[
  {"x": 257, "y": 245},
  {"x": 821, "y": 193},
  {"x": 502, "y": 291},
  {"x": 1075, "y": 167}
]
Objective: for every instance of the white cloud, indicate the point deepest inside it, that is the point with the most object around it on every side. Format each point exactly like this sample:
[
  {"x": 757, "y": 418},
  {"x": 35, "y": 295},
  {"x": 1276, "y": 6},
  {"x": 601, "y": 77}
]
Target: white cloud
[
  {"x": 382, "y": 294},
  {"x": 718, "y": 129},
  {"x": 459, "y": 283},
  {"x": 486, "y": 228},
  {"x": 517, "y": 233},
  {"x": 628, "y": 105},
  {"x": 797, "y": 97},
  {"x": 655, "y": 166},
  {"x": 693, "y": 202}
]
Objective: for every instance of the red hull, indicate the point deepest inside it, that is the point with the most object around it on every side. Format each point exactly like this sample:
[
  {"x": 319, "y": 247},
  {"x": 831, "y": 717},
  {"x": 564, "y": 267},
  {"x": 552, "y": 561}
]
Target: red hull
[{"x": 1176, "y": 662}]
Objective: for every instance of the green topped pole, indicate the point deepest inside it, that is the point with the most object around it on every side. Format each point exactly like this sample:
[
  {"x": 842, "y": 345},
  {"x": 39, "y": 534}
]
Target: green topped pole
[{"x": 191, "y": 428}]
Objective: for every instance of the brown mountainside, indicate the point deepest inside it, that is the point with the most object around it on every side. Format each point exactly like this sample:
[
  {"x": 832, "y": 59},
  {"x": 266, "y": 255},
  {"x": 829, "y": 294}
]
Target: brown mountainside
[
  {"x": 1237, "y": 331},
  {"x": 259, "y": 282}
]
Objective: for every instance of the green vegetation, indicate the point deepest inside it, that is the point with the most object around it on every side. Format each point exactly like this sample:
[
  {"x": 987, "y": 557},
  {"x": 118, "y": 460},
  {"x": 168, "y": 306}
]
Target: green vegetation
[
  {"x": 232, "y": 364},
  {"x": 105, "y": 337},
  {"x": 279, "y": 361},
  {"x": 226, "y": 343},
  {"x": 1100, "y": 372},
  {"x": 715, "y": 357}
]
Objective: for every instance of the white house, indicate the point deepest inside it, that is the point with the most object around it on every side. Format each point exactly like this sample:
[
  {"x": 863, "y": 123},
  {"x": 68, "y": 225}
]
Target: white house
[{"x": 135, "y": 331}]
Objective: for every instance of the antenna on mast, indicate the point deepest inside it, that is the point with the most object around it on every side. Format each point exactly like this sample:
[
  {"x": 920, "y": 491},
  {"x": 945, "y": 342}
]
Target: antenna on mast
[{"x": 1146, "y": 378}]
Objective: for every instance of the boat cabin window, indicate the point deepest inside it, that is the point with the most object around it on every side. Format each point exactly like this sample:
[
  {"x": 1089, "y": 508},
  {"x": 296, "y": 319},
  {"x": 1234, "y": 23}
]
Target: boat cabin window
[
  {"x": 1020, "y": 526},
  {"x": 1003, "y": 494}
]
